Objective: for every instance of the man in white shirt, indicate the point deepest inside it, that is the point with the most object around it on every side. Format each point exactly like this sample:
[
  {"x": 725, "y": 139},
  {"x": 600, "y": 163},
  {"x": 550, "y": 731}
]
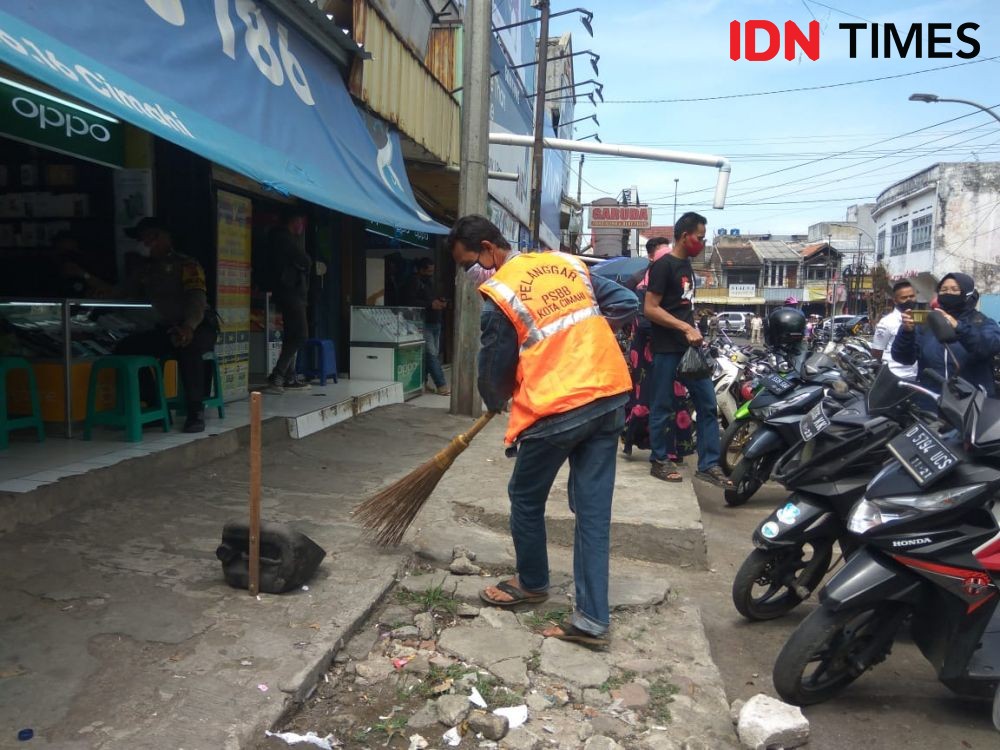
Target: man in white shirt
[{"x": 904, "y": 296}]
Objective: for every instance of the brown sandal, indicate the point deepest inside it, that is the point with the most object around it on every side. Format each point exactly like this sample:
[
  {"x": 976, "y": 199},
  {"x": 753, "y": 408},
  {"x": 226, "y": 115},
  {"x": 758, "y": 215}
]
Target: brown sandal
[{"x": 516, "y": 593}]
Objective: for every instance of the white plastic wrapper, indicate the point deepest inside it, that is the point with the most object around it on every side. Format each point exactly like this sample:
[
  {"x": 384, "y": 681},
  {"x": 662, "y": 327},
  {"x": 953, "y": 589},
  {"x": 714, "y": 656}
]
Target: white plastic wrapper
[{"x": 516, "y": 715}]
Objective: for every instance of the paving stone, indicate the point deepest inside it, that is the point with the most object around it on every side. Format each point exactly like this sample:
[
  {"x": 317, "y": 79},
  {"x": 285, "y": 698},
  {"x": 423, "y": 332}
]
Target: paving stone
[
  {"x": 640, "y": 666},
  {"x": 767, "y": 722},
  {"x": 609, "y": 726},
  {"x": 463, "y": 566},
  {"x": 460, "y": 550},
  {"x": 599, "y": 742},
  {"x": 573, "y": 663},
  {"x": 632, "y": 695},
  {"x": 374, "y": 670},
  {"x": 594, "y": 697},
  {"x": 493, "y": 727},
  {"x": 633, "y": 592},
  {"x": 396, "y": 615},
  {"x": 425, "y": 718},
  {"x": 659, "y": 741},
  {"x": 537, "y": 702},
  {"x": 499, "y": 618},
  {"x": 488, "y": 647},
  {"x": 467, "y": 610},
  {"x": 419, "y": 665},
  {"x": 512, "y": 671},
  {"x": 425, "y": 625},
  {"x": 521, "y": 739},
  {"x": 405, "y": 632},
  {"x": 452, "y": 709},
  {"x": 441, "y": 661}
]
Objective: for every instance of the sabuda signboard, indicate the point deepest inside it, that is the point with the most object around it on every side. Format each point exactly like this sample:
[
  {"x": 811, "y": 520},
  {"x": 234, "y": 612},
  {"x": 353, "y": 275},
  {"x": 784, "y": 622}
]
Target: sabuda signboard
[{"x": 620, "y": 217}]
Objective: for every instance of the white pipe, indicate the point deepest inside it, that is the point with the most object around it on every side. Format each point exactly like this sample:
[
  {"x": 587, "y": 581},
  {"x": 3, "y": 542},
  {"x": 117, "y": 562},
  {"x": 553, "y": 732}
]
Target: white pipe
[
  {"x": 505, "y": 176},
  {"x": 634, "y": 152}
]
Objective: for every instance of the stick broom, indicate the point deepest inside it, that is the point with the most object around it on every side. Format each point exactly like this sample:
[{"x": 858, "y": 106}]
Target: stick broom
[{"x": 389, "y": 513}]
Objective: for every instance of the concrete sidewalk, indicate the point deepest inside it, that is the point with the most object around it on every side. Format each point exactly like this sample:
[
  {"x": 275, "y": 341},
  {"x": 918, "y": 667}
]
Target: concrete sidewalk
[{"x": 117, "y": 629}]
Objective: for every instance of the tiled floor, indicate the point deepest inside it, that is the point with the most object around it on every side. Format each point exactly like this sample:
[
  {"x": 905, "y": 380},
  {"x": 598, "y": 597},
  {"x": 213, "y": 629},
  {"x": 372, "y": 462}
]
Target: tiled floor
[{"x": 26, "y": 465}]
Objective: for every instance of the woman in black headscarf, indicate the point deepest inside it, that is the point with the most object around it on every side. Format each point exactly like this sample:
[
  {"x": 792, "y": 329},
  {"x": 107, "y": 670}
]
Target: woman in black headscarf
[{"x": 978, "y": 336}]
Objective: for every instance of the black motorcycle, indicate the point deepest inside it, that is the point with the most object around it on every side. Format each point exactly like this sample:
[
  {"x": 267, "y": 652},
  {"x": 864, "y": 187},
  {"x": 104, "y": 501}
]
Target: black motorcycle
[
  {"x": 827, "y": 471},
  {"x": 930, "y": 526}
]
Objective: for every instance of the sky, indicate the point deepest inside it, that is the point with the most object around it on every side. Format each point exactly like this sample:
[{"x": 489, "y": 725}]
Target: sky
[{"x": 798, "y": 158}]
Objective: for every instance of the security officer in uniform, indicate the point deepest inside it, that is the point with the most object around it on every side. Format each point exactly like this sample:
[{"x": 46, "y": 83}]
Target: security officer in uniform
[
  {"x": 174, "y": 285},
  {"x": 548, "y": 342}
]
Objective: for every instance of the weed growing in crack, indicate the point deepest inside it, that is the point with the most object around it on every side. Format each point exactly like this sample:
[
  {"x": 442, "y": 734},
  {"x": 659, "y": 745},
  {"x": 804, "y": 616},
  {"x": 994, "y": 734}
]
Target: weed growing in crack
[
  {"x": 497, "y": 695},
  {"x": 661, "y": 695},
  {"x": 434, "y": 599},
  {"x": 540, "y": 620},
  {"x": 616, "y": 681}
]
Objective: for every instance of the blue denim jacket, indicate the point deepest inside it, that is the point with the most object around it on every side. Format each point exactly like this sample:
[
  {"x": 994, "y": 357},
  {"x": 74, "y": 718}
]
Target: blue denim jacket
[{"x": 499, "y": 354}]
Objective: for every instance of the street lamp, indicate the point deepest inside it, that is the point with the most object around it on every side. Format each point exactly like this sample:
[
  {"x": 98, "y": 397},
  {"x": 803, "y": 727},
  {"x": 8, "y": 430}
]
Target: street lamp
[
  {"x": 933, "y": 98},
  {"x": 588, "y": 16},
  {"x": 598, "y": 89},
  {"x": 594, "y": 59},
  {"x": 581, "y": 119}
]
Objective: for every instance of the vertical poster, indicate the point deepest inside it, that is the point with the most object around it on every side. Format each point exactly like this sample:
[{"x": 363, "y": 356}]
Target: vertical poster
[{"x": 233, "y": 215}]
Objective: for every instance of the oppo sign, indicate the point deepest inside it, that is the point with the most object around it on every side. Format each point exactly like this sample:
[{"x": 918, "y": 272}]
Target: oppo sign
[
  {"x": 33, "y": 116},
  {"x": 69, "y": 124}
]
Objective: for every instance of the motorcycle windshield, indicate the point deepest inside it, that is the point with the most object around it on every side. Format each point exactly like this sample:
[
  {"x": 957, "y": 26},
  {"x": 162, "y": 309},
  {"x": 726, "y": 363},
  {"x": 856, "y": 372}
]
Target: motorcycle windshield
[{"x": 886, "y": 393}]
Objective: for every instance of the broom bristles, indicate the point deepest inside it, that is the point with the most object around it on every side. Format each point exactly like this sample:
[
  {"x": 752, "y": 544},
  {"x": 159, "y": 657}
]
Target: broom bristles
[{"x": 389, "y": 514}]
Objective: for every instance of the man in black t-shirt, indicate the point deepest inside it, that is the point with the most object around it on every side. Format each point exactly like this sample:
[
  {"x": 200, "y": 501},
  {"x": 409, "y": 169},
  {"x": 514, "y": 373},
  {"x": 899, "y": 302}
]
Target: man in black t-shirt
[{"x": 669, "y": 306}]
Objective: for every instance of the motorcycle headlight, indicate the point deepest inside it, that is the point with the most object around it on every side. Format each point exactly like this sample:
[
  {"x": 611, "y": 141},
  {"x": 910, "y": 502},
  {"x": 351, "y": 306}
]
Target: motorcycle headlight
[{"x": 870, "y": 514}]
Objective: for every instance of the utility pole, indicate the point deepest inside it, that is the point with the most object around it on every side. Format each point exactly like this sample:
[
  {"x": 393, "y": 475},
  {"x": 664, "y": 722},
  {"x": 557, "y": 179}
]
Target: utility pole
[
  {"x": 472, "y": 197},
  {"x": 537, "y": 152},
  {"x": 676, "y": 180},
  {"x": 829, "y": 259},
  {"x": 579, "y": 180}
]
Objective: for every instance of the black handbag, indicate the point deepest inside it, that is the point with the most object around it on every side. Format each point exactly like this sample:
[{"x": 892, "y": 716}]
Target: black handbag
[{"x": 695, "y": 364}]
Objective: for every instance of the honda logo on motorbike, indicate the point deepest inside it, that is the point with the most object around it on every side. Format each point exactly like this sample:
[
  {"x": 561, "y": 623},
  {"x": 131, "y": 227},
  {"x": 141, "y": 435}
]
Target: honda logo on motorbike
[
  {"x": 912, "y": 542},
  {"x": 976, "y": 584}
]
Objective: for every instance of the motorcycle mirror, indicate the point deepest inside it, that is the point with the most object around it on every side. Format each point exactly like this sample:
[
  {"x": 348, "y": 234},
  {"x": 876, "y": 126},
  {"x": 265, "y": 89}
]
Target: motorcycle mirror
[{"x": 940, "y": 327}]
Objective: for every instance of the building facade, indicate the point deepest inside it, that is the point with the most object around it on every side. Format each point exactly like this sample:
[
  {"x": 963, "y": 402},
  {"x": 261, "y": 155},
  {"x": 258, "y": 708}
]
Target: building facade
[{"x": 941, "y": 219}]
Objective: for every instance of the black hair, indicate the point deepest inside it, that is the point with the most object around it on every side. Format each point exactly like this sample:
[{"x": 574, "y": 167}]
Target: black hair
[
  {"x": 472, "y": 231},
  {"x": 421, "y": 263},
  {"x": 654, "y": 242},
  {"x": 688, "y": 223},
  {"x": 901, "y": 285}
]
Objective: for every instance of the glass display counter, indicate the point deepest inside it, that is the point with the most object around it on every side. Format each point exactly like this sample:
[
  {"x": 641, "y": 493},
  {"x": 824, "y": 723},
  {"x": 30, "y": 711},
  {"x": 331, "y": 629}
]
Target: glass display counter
[
  {"x": 60, "y": 337},
  {"x": 387, "y": 343}
]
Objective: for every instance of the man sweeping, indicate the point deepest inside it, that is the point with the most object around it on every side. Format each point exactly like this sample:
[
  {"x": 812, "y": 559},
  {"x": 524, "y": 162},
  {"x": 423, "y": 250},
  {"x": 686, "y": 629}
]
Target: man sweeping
[{"x": 548, "y": 343}]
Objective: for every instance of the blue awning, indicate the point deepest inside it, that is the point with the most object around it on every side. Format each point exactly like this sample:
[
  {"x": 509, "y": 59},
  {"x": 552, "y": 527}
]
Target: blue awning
[{"x": 225, "y": 79}]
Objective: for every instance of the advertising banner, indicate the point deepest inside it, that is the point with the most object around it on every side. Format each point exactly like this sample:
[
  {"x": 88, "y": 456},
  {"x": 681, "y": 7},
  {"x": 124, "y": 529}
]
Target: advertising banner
[
  {"x": 233, "y": 233},
  {"x": 230, "y": 80}
]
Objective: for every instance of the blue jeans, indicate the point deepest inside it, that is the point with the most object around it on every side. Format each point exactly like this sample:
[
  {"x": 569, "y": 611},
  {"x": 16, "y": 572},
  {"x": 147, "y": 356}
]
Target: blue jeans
[
  {"x": 592, "y": 452},
  {"x": 661, "y": 412},
  {"x": 432, "y": 352}
]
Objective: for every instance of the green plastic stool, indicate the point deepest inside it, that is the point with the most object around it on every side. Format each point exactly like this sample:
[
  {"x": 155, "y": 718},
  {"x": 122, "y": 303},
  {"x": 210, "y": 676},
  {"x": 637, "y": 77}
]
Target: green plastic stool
[
  {"x": 128, "y": 411},
  {"x": 9, "y": 423},
  {"x": 214, "y": 398}
]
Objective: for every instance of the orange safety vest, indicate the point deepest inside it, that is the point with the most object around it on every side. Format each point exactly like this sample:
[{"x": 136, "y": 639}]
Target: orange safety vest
[{"x": 568, "y": 355}]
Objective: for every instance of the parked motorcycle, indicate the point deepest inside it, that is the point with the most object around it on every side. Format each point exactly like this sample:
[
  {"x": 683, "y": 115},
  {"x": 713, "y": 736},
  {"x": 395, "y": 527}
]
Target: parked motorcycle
[
  {"x": 930, "y": 526},
  {"x": 843, "y": 445}
]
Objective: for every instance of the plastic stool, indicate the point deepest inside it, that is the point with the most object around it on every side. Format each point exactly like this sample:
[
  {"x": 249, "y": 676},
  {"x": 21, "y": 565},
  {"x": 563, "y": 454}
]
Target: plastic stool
[
  {"x": 214, "y": 399},
  {"x": 128, "y": 411},
  {"x": 9, "y": 423},
  {"x": 318, "y": 359}
]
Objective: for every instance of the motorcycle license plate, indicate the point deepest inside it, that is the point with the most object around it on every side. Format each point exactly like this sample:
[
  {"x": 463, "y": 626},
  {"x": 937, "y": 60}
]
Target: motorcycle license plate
[
  {"x": 775, "y": 383},
  {"x": 922, "y": 454},
  {"x": 814, "y": 423}
]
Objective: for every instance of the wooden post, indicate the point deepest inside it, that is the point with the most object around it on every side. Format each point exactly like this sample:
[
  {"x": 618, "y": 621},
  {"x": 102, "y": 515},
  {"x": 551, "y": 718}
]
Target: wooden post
[{"x": 254, "y": 493}]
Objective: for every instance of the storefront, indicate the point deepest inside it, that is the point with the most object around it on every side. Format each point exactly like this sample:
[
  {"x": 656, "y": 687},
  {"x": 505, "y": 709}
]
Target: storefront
[{"x": 235, "y": 119}]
